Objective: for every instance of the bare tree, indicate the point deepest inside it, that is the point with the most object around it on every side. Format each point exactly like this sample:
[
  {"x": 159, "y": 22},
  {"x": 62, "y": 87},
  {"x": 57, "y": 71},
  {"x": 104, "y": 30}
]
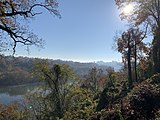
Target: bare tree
[{"x": 14, "y": 15}]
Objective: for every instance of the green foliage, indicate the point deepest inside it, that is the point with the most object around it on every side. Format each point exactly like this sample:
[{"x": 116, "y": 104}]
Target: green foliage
[
  {"x": 64, "y": 98},
  {"x": 50, "y": 102},
  {"x": 109, "y": 114},
  {"x": 115, "y": 89},
  {"x": 80, "y": 104}
]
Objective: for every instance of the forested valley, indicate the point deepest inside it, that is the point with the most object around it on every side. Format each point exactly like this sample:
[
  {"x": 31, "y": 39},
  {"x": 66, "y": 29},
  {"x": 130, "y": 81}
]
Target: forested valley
[
  {"x": 84, "y": 91},
  {"x": 19, "y": 70}
]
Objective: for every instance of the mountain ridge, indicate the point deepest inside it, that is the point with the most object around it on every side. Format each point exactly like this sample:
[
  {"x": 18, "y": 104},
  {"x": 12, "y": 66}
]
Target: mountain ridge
[{"x": 17, "y": 70}]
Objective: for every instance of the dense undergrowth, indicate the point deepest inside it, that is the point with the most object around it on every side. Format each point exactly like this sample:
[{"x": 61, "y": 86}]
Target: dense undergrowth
[
  {"x": 79, "y": 102},
  {"x": 141, "y": 103}
]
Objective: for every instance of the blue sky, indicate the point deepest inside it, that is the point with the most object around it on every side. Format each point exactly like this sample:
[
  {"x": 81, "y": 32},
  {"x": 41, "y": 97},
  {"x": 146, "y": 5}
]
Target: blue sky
[{"x": 84, "y": 33}]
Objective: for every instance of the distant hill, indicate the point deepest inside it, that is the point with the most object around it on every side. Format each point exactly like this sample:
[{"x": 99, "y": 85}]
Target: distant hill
[
  {"x": 17, "y": 70},
  {"x": 82, "y": 68},
  {"x": 114, "y": 64}
]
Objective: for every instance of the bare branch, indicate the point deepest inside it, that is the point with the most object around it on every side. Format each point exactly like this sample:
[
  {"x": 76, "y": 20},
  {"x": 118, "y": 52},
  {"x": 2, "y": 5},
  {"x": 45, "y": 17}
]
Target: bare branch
[{"x": 12, "y": 11}]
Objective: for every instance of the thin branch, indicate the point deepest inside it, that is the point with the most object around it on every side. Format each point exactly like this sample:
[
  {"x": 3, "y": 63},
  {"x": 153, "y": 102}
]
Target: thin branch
[{"x": 25, "y": 13}]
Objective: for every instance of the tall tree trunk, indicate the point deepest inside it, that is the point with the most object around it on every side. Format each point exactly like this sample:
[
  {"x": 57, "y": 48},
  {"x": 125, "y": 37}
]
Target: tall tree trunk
[
  {"x": 57, "y": 94},
  {"x": 156, "y": 51},
  {"x": 129, "y": 66},
  {"x": 135, "y": 61}
]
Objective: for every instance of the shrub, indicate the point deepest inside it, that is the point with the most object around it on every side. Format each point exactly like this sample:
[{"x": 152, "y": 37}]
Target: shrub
[{"x": 143, "y": 102}]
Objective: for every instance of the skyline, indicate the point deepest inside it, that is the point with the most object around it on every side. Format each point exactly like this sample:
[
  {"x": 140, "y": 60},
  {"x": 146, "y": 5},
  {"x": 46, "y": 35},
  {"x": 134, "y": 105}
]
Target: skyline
[{"x": 84, "y": 33}]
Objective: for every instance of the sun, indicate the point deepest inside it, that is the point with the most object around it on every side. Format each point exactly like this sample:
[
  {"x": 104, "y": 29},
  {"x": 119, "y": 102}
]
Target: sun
[{"x": 128, "y": 9}]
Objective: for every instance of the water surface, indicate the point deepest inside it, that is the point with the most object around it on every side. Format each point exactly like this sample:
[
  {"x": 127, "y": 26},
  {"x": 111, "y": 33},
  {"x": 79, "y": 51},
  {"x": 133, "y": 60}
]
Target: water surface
[{"x": 14, "y": 93}]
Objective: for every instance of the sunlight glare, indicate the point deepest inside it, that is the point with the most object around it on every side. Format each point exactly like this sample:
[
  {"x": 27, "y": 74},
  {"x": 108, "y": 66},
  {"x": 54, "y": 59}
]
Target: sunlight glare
[{"x": 128, "y": 9}]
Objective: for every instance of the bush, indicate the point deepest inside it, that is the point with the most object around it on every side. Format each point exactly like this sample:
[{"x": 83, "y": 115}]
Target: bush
[
  {"x": 143, "y": 102},
  {"x": 12, "y": 112},
  {"x": 155, "y": 79}
]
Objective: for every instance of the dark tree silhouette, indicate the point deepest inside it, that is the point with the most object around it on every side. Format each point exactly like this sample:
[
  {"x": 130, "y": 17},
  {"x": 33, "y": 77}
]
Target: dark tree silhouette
[
  {"x": 146, "y": 11},
  {"x": 124, "y": 46},
  {"x": 14, "y": 15}
]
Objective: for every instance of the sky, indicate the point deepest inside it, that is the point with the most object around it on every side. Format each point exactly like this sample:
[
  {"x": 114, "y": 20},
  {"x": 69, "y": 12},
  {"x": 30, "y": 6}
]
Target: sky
[{"x": 85, "y": 33}]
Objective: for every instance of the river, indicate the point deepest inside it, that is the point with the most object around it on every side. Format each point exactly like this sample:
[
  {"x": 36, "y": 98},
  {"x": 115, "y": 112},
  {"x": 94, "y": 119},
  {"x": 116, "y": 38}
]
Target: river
[{"x": 14, "y": 93}]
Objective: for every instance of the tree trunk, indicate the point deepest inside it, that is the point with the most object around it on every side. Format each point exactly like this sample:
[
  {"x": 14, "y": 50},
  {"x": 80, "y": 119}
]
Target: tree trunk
[
  {"x": 135, "y": 61},
  {"x": 129, "y": 66},
  {"x": 156, "y": 52}
]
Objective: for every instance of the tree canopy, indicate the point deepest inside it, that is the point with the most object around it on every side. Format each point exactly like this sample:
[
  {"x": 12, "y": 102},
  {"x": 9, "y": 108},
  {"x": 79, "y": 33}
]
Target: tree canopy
[
  {"x": 145, "y": 12},
  {"x": 14, "y": 15}
]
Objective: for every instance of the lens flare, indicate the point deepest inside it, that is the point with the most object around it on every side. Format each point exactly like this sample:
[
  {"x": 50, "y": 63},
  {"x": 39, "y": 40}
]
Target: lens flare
[{"x": 128, "y": 9}]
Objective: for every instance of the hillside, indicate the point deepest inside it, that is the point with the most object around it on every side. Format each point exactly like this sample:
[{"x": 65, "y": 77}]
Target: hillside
[{"x": 17, "y": 70}]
